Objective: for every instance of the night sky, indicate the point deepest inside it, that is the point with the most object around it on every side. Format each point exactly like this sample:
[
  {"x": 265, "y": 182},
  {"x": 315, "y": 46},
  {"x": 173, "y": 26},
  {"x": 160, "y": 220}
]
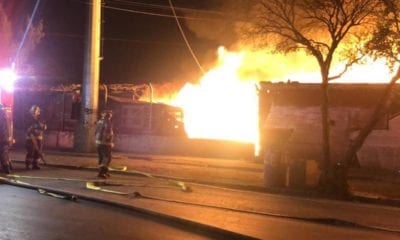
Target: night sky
[{"x": 137, "y": 48}]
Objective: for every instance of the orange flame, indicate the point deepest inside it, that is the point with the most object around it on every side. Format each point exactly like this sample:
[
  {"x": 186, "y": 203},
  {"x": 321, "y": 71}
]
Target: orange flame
[{"x": 222, "y": 106}]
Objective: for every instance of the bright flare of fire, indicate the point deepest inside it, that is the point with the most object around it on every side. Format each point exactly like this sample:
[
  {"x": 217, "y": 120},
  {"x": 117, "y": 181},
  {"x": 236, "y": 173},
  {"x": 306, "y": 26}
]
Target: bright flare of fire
[
  {"x": 369, "y": 72},
  {"x": 222, "y": 106}
]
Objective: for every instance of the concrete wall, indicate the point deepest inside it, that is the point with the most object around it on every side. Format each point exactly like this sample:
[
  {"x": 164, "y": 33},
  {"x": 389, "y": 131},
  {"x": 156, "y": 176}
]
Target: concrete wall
[
  {"x": 184, "y": 146},
  {"x": 149, "y": 144},
  {"x": 381, "y": 150}
]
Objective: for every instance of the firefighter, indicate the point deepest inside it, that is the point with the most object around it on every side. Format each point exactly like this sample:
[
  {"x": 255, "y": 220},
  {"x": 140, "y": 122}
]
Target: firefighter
[
  {"x": 104, "y": 142},
  {"x": 34, "y": 139},
  {"x": 5, "y": 140}
]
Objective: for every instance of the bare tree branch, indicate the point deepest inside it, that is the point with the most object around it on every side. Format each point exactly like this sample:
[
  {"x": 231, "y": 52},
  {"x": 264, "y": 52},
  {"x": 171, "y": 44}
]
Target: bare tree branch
[{"x": 320, "y": 27}]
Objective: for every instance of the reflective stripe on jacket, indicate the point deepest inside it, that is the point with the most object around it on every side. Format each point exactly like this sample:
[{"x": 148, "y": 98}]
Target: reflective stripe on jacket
[
  {"x": 35, "y": 129},
  {"x": 5, "y": 127},
  {"x": 104, "y": 132}
]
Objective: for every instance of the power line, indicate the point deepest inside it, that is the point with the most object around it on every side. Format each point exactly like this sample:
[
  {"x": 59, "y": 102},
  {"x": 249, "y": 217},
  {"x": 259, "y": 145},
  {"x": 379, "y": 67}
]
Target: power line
[
  {"x": 184, "y": 37},
  {"x": 157, "y": 6},
  {"x": 71, "y": 35},
  {"x": 159, "y": 14},
  {"x": 156, "y": 14},
  {"x": 141, "y": 41}
]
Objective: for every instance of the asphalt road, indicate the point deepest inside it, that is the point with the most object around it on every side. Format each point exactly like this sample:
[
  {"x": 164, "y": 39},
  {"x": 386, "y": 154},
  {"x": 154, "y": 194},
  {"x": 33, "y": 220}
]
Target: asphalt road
[
  {"x": 254, "y": 214},
  {"x": 28, "y": 215}
]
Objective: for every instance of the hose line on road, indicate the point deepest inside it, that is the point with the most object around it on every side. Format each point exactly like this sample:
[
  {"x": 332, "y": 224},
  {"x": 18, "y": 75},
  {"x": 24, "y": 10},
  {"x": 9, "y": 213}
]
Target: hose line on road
[
  {"x": 196, "y": 226},
  {"x": 95, "y": 185},
  {"x": 181, "y": 182},
  {"x": 42, "y": 190},
  {"x": 92, "y": 186},
  {"x": 60, "y": 196},
  {"x": 116, "y": 169},
  {"x": 15, "y": 176},
  {"x": 330, "y": 221},
  {"x": 181, "y": 185}
]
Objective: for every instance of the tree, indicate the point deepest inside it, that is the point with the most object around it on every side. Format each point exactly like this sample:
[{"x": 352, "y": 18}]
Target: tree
[
  {"x": 320, "y": 28},
  {"x": 384, "y": 43}
]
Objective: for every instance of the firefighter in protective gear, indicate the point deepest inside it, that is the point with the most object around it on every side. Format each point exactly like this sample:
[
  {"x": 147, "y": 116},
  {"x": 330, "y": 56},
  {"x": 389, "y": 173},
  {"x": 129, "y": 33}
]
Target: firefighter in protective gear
[
  {"x": 104, "y": 142},
  {"x": 6, "y": 139},
  {"x": 34, "y": 139}
]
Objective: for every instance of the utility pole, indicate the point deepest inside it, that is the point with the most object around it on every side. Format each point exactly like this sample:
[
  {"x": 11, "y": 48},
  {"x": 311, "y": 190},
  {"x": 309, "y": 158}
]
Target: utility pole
[{"x": 85, "y": 131}]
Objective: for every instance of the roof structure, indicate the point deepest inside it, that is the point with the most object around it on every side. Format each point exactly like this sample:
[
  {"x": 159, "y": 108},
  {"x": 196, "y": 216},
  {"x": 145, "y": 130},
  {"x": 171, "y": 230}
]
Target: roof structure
[{"x": 340, "y": 95}]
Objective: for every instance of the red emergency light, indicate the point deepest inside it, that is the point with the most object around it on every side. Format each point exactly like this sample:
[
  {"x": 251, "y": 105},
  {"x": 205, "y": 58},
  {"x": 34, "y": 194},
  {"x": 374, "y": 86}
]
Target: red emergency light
[{"x": 7, "y": 79}]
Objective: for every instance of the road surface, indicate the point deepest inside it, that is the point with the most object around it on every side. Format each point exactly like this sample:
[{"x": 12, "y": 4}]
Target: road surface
[
  {"x": 27, "y": 215},
  {"x": 141, "y": 198}
]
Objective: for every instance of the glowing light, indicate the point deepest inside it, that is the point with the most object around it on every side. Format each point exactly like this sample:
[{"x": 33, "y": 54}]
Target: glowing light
[
  {"x": 369, "y": 72},
  {"x": 7, "y": 79},
  {"x": 222, "y": 106}
]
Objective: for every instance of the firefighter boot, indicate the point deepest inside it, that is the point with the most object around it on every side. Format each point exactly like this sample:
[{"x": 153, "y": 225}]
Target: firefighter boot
[
  {"x": 6, "y": 168},
  {"x": 106, "y": 173},
  {"x": 35, "y": 164},
  {"x": 102, "y": 172},
  {"x": 27, "y": 164}
]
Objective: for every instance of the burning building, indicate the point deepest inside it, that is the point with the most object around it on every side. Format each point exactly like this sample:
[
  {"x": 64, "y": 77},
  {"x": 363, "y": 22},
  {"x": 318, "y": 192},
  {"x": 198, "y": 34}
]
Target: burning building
[
  {"x": 141, "y": 127},
  {"x": 290, "y": 120}
]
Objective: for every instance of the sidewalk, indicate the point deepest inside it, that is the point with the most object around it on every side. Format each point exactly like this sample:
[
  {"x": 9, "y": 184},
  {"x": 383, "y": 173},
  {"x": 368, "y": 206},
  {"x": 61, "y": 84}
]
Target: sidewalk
[
  {"x": 376, "y": 185},
  {"x": 366, "y": 185}
]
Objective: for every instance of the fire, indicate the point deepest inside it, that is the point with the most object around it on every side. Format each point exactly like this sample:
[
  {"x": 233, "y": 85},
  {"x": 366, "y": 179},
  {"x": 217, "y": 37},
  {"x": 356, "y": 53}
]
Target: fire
[
  {"x": 222, "y": 106},
  {"x": 369, "y": 72}
]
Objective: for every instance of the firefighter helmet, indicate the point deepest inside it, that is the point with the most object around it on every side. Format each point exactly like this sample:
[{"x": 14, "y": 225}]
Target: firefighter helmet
[
  {"x": 106, "y": 113},
  {"x": 34, "y": 108}
]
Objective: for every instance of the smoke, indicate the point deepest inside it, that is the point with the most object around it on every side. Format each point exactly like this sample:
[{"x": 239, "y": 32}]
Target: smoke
[
  {"x": 225, "y": 24},
  {"x": 220, "y": 21},
  {"x": 166, "y": 92}
]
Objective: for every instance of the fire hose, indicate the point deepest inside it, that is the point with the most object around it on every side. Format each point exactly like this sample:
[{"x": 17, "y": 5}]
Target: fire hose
[
  {"x": 98, "y": 186},
  {"x": 118, "y": 169},
  {"x": 95, "y": 185},
  {"x": 181, "y": 185},
  {"x": 62, "y": 194}
]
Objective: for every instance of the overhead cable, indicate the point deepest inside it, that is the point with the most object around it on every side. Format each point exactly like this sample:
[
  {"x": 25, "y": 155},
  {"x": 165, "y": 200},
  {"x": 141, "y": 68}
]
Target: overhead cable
[
  {"x": 157, "y": 6},
  {"x": 161, "y": 14},
  {"x": 184, "y": 37},
  {"x": 115, "y": 39},
  {"x": 158, "y": 14}
]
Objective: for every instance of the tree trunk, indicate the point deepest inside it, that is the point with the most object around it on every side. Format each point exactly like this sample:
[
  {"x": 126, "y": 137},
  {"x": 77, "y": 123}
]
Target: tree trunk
[
  {"x": 380, "y": 109},
  {"x": 325, "y": 163}
]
